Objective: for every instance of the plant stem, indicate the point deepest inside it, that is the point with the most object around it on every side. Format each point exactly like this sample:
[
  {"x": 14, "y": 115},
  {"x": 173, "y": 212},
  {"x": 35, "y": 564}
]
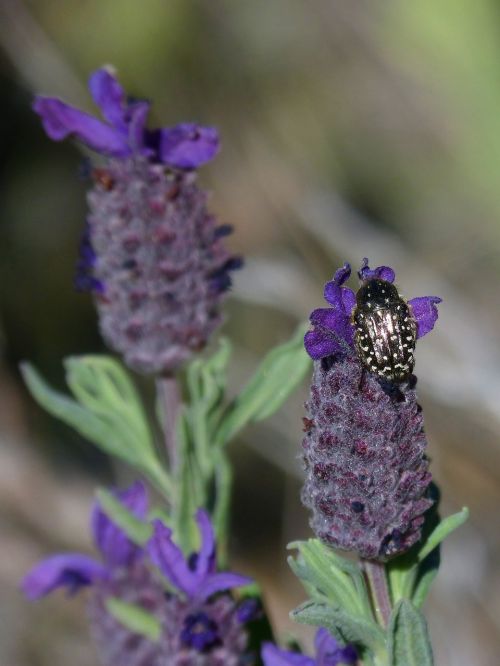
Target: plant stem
[
  {"x": 377, "y": 582},
  {"x": 170, "y": 401}
]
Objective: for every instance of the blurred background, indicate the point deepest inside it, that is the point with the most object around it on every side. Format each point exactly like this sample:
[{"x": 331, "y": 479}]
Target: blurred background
[{"x": 350, "y": 129}]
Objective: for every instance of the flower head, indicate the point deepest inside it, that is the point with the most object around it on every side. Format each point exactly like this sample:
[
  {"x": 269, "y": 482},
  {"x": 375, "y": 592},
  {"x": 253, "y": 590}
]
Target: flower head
[
  {"x": 328, "y": 653},
  {"x": 160, "y": 269},
  {"x": 333, "y": 328},
  {"x": 367, "y": 473},
  {"x": 200, "y": 622},
  {"x": 123, "y": 132},
  {"x": 151, "y": 254}
]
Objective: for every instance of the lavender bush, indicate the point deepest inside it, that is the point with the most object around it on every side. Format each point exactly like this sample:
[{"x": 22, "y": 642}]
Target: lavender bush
[{"x": 160, "y": 592}]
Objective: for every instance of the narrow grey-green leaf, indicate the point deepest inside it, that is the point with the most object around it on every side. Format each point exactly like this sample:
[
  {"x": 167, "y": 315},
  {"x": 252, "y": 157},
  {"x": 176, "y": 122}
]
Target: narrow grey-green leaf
[
  {"x": 329, "y": 582},
  {"x": 137, "y": 531},
  {"x": 425, "y": 574},
  {"x": 73, "y": 414},
  {"x": 411, "y": 574},
  {"x": 278, "y": 375},
  {"x": 346, "y": 627},
  {"x": 107, "y": 412},
  {"x": 333, "y": 576},
  {"x": 134, "y": 618},
  {"x": 409, "y": 643},
  {"x": 101, "y": 384},
  {"x": 445, "y": 527}
]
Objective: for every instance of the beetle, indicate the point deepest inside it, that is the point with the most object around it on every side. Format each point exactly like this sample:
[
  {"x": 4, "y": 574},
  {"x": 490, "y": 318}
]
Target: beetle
[{"x": 385, "y": 331}]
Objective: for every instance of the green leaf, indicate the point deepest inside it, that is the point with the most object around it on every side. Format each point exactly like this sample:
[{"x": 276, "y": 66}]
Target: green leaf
[
  {"x": 411, "y": 575},
  {"x": 107, "y": 411},
  {"x": 409, "y": 643},
  {"x": 101, "y": 384},
  {"x": 444, "y": 528},
  {"x": 279, "y": 374},
  {"x": 134, "y": 618},
  {"x": 346, "y": 628},
  {"x": 223, "y": 484},
  {"x": 206, "y": 380},
  {"x": 191, "y": 490},
  {"x": 426, "y": 572},
  {"x": 328, "y": 576},
  {"x": 137, "y": 531}
]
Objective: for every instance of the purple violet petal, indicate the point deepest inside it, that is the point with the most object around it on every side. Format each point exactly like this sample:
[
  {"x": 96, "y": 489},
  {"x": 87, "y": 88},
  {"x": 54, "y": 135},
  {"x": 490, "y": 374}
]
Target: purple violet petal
[
  {"x": 381, "y": 272},
  {"x": 205, "y": 562},
  {"x": 273, "y": 656},
  {"x": 330, "y": 653},
  {"x": 116, "y": 548},
  {"x": 339, "y": 297},
  {"x": 425, "y": 312},
  {"x": 332, "y": 324},
  {"x": 334, "y": 292},
  {"x": 348, "y": 300},
  {"x": 188, "y": 145},
  {"x": 320, "y": 343},
  {"x": 218, "y": 582},
  {"x": 170, "y": 560},
  {"x": 342, "y": 274},
  {"x": 330, "y": 318},
  {"x": 249, "y": 610},
  {"x": 61, "y": 120},
  {"x": 70, "y": 570},
  {"x": 109, "y": 97},
  {"x": 137, "y": 116}
]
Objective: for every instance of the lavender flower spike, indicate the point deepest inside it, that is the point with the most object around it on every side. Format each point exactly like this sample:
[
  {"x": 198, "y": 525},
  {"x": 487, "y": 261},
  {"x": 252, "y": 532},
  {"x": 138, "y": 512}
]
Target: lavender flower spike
[
  {"x": 328, "y": 653},
  {"x": 151, "y": 253},
  {"x": 367, "y": 473},
  {"x": 197, "y": 626},
  {"x": 185, "y": 146}
]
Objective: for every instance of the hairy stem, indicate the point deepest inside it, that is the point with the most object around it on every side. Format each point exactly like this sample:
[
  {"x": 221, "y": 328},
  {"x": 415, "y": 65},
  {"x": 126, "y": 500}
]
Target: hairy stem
[
  {"x": 169, "y": 398},
  {"x": 377, "y": 582}
]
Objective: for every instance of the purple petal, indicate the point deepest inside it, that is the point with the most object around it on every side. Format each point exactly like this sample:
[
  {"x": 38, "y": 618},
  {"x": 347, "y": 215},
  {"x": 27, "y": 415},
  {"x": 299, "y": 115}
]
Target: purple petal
[
  {"x": 205, "y": 562},
  {"x": 115, "y": 546},
  {"x": 335, "y": 295},
  {"x": 425, "y": 312},
  {"x": 342, "y": 274},
  {"x": 170, "y": 559},
  {"x": 219, "y": 582},
  {"x": 70, "y": 570},
  {"x": 109, "y": 96},
  {"x": 332, "y": 333},
  {"x": 188, "y": 146},
  {"x": 330, "y": 653},
  {"x": 273, "y": 656},
  {"x": 320, "y": 343},
  {"x": 339, "y": 297},
  {"x": 348, "y": 300},
  {"x": 137, "y": 115},
  {"x": 381, "y": 272},
  {"x": 61, "y": 120}
]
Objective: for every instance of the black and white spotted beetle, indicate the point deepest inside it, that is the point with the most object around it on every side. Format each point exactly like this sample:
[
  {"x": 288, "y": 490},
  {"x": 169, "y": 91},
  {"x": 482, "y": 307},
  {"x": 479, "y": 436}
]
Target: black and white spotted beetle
[{"x": 385, "y": 330}]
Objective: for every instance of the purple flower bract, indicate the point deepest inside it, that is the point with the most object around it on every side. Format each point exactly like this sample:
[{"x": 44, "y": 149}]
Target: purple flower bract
[{"x": 185, "y": 146}]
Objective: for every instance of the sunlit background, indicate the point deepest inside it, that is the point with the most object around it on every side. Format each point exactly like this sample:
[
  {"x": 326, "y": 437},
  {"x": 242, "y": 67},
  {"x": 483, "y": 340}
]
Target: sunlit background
[{"x": 349, "y": 129}]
